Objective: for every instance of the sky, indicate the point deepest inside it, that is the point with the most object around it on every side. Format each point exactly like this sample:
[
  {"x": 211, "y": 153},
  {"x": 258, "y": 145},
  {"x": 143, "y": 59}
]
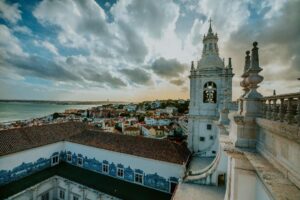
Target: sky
[{"x": 136, "y": 50}]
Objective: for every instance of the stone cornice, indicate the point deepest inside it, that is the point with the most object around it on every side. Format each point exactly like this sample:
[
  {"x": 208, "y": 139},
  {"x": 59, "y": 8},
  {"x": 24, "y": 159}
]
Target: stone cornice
[
  {"x": 202, "y": 117},
  {"x": 291, "y": 132}
]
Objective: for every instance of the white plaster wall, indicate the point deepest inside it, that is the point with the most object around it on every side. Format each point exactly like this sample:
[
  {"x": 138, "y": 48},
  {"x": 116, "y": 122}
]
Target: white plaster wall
[
  {"x": 10, "y": 161},
  {"x": 243, "y": 183},
  {"x": 261, "y": 191},
  {"x": 54, "y": 184},
  {"x": 200, "y": 130},
  {"x": 149, "y": 166}
]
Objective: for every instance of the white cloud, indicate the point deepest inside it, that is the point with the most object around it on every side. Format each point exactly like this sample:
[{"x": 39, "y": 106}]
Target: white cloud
[
  {"x": 50, "y": 47},
  {"x": 10, "y": 13},
  {"x": 9, "y": 44},
  {"x": 22, "y": 29}
]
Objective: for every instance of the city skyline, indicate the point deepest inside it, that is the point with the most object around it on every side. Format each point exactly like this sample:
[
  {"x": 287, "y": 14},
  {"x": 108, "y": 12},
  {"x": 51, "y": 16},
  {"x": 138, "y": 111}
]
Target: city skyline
[{"x": 138, "y": 50}]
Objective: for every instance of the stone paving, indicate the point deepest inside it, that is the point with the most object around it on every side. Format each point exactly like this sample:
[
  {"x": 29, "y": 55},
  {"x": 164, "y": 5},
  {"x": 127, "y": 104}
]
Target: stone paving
[
  {"x": 199, "y": 163},
  {"x": 187, "y": 191}
]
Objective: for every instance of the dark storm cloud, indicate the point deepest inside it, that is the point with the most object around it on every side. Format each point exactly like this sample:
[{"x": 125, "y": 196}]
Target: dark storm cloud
[
  {"x": 40, "y": 67},
  {"x": 137, "y": 75},
  {"x": 279, "y": 42},
  {"x": 103, "y": 78},
  {"x": 168, "y": 68}
]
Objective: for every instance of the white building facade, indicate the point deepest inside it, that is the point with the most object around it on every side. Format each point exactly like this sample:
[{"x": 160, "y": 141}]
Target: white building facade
[{"x": 210, "y": 91}]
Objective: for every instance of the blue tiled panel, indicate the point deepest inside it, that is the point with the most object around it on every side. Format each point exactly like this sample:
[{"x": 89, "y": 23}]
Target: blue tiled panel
[
  {"x": 23, "y": 170},
  {"x": 150, "y": 180},
  {"x": 128, "y": 174},
  {"x": 156, "y": 181},
  {"x": 112, "y": 169}
]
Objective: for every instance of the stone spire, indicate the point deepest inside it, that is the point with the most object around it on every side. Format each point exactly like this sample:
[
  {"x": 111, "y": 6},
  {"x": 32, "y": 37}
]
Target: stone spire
[
  {"x": 254, "y": 78},
  {"x": 210, "y": 42},
  {"x": 254, "y": 59},
  {"x": 247, "y": 64},
  {"x": 192, "y": 66},
  {"x": 245, "y": 74},
  {"x": 210, "y": 54},
  {"x": 229, "y": 63},
  {"x": 210, "y": 29}
]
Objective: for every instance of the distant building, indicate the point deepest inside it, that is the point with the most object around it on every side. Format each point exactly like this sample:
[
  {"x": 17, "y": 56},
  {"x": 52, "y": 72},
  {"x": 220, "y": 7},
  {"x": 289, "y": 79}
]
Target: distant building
[
  {"x": 156, "y": 131},
  {"x": 132, "y": 130},
  {"x": 130, "y": 107},
  {"x": 151, "y": 121},
  {"x": 155, "y": 104}
]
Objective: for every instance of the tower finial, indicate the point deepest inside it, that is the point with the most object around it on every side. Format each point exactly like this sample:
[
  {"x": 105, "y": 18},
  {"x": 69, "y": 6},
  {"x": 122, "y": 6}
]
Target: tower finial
[
  {"x": 229, "y": 63},
  {"x": 192, "y": 66},
  {"x": 210, "y": 29}
]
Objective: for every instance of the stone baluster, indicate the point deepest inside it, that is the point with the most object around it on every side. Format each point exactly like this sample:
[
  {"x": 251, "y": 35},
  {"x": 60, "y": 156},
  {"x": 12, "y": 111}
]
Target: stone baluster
[
  {"x": 275, "y": 110},
  {"x": 264, "y": 108},
  {"x": 240, "y": 106},
  {"x": 281, "y": 110},
  {"x": 297, "y": 117},
  {"x": 268, "y": 112},
  {"x": 289, "y": 111}
]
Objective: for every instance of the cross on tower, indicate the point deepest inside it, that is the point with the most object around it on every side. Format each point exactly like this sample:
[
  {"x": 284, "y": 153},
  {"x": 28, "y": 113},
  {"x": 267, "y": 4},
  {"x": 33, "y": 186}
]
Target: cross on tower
[{"x": 210, "y": 29}]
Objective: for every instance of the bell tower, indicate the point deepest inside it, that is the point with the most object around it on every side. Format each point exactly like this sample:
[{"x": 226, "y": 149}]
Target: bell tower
[{"x": 210, "y": 90}]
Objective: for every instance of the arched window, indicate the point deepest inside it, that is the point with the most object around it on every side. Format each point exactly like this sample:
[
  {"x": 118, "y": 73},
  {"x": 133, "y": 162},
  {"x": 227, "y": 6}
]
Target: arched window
[
  {"x": 210, "y": 46},
  {"x": 210, "y": 92}
]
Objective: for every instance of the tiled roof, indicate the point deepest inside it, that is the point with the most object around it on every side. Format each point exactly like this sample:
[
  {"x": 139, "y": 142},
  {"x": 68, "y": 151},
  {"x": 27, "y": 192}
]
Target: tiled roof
[
  {"x": 15, "y": 140},
  {"x": 19, "y": 139},
  {"x": 163, "y": 150},
  {"x": 132, "y": 128}
]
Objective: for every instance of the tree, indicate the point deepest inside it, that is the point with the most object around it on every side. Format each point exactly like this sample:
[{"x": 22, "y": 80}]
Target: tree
[{"x": 55, "y": 115}]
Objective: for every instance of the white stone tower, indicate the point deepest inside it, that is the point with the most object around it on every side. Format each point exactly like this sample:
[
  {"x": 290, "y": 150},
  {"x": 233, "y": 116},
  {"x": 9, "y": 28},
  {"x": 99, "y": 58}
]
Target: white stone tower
[{"x": 210, "y": 93}]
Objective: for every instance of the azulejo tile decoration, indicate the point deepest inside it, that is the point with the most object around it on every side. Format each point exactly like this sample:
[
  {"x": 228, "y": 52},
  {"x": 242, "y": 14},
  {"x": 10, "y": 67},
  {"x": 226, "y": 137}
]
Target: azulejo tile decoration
[{"x": 149, "y": 180}]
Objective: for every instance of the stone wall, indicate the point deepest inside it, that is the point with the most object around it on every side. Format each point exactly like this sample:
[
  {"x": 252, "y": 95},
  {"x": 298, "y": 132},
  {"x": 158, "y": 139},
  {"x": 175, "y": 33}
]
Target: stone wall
[{"x": 279, "y": 142}]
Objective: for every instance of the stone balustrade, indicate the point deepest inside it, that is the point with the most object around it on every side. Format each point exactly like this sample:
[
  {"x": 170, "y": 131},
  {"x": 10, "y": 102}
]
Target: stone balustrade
[{"x": 283, "y": 108}]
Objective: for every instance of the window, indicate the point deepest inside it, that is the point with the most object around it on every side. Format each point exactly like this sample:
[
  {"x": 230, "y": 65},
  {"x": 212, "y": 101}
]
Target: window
[
  {"x": 45, "y": 196},
  {"x": 61, "y": 194},
  {"x": 202, "y": 139},
  {"x": 105, "y": 168},
  {"x": 138, "y": 178},
  {"x": 120, "y": 172},
  {"x": 75, "y": 197},
  {"x": 54, "y": 160},
  {"x": 208, "y": 126},
  {"x": 211, "y": 137},
  {"x": 210, "y": 92},
  {"x": 80, "y": 161},
  {"x": 210, "y": 46},
  {"x": 69, "y": 157}
]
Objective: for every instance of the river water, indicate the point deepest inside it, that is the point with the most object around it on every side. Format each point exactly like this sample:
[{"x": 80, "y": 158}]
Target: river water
[{"x": 12, "y": 111}]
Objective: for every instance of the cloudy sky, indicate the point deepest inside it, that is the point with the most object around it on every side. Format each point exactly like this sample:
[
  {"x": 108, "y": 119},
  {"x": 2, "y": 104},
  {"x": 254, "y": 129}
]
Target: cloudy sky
[{"x": 137, "y": 50}]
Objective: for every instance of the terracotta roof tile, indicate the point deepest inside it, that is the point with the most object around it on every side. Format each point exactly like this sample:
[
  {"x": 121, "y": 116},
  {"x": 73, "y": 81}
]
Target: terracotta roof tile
[
  {"x": 19, "y": 139},
  {"x": 15, "y": 140},
  {"x": 163, "y": 150}
]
